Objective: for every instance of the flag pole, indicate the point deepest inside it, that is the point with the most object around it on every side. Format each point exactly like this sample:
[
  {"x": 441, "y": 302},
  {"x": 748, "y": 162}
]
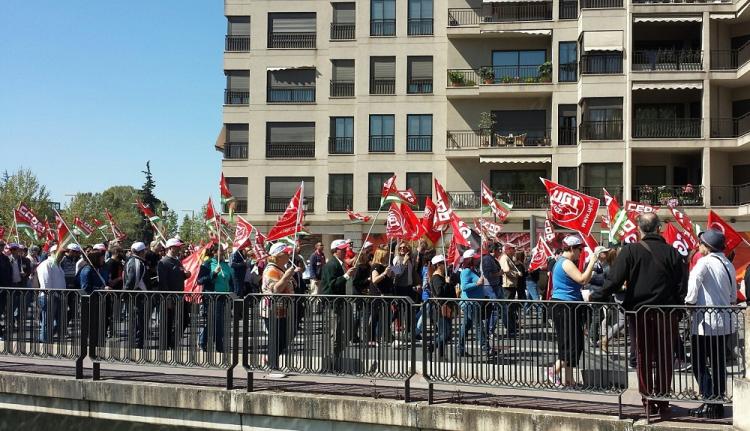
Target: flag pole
[
  {"x": 299, "y": 218},
  {"x": 367, "y": 237},
  {"x": 15, "y": 223},
  {"x": 481, "y": 230},
  {"x": 101, "y": 232},
  {"x": 72, "y": 235}
]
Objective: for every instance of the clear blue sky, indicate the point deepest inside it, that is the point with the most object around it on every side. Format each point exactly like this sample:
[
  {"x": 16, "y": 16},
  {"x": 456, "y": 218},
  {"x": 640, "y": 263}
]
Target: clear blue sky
[{"x": 90, "y": 90}]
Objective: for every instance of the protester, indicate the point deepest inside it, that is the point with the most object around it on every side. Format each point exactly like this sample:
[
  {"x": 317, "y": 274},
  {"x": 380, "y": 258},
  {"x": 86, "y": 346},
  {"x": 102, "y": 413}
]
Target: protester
[
  {"x": 406, "y": 272},
  {"x": 52, "y": 284},
  {"x": 441, "y": 289},
  {"x": 91, "y": 277},
  {"x": 135, "y": 281},
  {"x": 333, "y": 282},
  {"x": 317, "y": 260},
  {"x": 510, "y": 291},
  {"x": 68, "y": 264},
  {"x": 597, "y": 313},
  {"x": 214, "y": 275},
  {"x": 239, "y": 265},
  {"x": 172, "y": 276},
  {"x": 492, "y": 275},
  {"x": 471, "y": 288},
  {"x": 382, "y": 284},
  {"x": 361, "y": 286},
  {"x": 277, "y": 279}
]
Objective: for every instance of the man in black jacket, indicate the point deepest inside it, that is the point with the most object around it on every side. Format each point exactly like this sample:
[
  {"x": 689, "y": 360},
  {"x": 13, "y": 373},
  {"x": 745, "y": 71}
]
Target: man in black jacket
[
  {"x": 654, "y": 274},
  {"x": 333, "y": 282},
  {"x": 172, "y": 276}
]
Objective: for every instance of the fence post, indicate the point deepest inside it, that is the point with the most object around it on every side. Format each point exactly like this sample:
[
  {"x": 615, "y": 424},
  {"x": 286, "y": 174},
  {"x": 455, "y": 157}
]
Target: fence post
[
  {"x": 84, "y": 322},
  {"x": 236, "y": 317},
  {"x": 93, "y": 335}
]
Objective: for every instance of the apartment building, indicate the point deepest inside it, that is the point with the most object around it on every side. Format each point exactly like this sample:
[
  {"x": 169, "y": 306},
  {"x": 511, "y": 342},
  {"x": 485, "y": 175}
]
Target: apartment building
[{"x": 648, "y": 99}]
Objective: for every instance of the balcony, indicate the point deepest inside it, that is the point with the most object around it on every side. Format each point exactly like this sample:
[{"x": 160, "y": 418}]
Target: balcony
[
  {"x": 655, "y": 2},
  {"x": 292, "y": 95},
  {"x": 236, "y": 97},
  {"x": 474, "y": 139},
  {"x": 596, "y": 191},
  {"x": 340, "y": 145},
  {"x": 419, "y": 144},
  {"x": 668, "y": 128},
  {"x": 383, "y": 86},
  {"x": 495, "y": 75},
  {"x": 500, "y": 12},
  {"x": 568, "y": 9},
  {"x": 240, "y": 206},
  {"x": 290, "y": 150},
  {"x": 342, "y": 89},
  {"x": 278, "y": 204},
  {"x": 237, "y": 43},
  {"x": 340, "y": 202},
  {"x": 291, "y": 40},
  {"x": 730, "y": 127},
  {"x": 601, "y": 4},
  {"x": 343, "y": 31},
  {"x": 601, "y": 130},
  {"x": 419, "y": 27},
  {"x": 686, "y": 196},
  {"x": 381, "y": 144},
  {"x": 734, "y": 195},
  {"x": 668, "y": 60},
  {"x": 730, "y": 59},
  {"x": 601, "y": 64},
  {"x": 519, "y": 199},
  {"x": 419, "y": 86},
  {"x": 235, "y": 151},
  {"x": 382, "y": 27},
  {"x": 567, "y": 136}
]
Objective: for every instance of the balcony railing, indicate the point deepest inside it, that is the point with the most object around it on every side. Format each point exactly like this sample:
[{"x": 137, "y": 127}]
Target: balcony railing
[
  {"x": 341, "y": 31},
  {"x": 568, "y": 9},
  {"x": 601, "y": 130},
  {"x": 419, "y": 86},
  {"x": 419, "y": 27},
  {"x": 500, "y": 12},
  {"x": 383, "y": 86},
  {"x": 235, "y": 151},
  {"x": 667, "y": 60},
  {"x": 730, "y": 127},
  {"x": 419, "y": 144},
  {"x": 516, "y": 74},
  {"x": 342, "y": 89},
  {"x": 340, "y": 145},
  {"x": 685, "y": 195},
  {"x": 240, "y": 206},
  {"x": 730, "y": 195},
  {"x": 234, "y": 43},
  {"x": 293, "y": 40},
  {"x": 340, "y": 202},
  {"x": 568, "y": 72},
  {"x": 596, "y": 64},
  {"x": 679, "y": 1},
  {"x": 567, "y": 136},
  {"x": 290, "y": 150},
  {"x": 519, "y": 199},
  {"x": 596, "y": 191},
  {"x": 382, "y": 27},
  {"x": 236, "y": 97},
  {"x": 730, "y": 59},
  {"x": 278, "y": 204},
  {"x": 601, "y": 4},
  {"x": 473, "y": 139},
  {"x": 278, "y": 94},
  {"x": 381, "y": 144},
  {"x": 668, "y": 128}
]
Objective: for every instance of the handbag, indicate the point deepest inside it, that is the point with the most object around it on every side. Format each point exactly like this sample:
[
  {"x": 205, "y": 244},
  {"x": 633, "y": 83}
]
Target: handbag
[{"x": 447, "y": 310}]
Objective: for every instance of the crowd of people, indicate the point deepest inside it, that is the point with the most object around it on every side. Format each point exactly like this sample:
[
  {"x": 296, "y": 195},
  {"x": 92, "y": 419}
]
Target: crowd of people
[{"x": 643, "y": 278}]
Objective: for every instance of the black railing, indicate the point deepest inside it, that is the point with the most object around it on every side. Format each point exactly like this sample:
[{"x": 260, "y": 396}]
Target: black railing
[
  {"x": 419, "y": 144},
  {"x": 596, "y": 191},
  {"x": 235, "y": 151},
  {"x": 342, "y": 89},
  {"x": 665, "y": 195},
  {"x": 278, "y": 204},
  {"x": 679, "y": 1},
  {"x": 595, "y": 64},
  {"x": 278, "y": 94},
  {"x": 234, "y": 43},
  {"x": 568, "y": 9},
  {"x": 520, "y": 199},
  {"x": 382, "y": 27},
  {"x": 601, "y": 4},
  {"x": 290, "y": 150},
  {"x": 383, "y": 86},
  {"x": 340, "y": 202},
  {"x": 419, "y": 86},
  {"x": 240, "y": 206},
  {"x": 730, "y": 127},
  {"x": 601, "y": 130},
  {"x": 236, "y": 97},
  {"x": 668, "y": 128},
  {"x": 492, "y": 75},
  {"x": 463, "y": 77},
  {"x": 419, "y": 27},
  {"x": 500, "y": 12},
  {"x": 340, "y": 145},
  {"x": 730, "y": 195},
  {"x": 730, "y": 59},
  {"x": 292, "y": 40},
  {"x": 373, "y": 202},
  {"x": 340, "y": 31},
  {"x": 381, "y": 144},
  {"x": 667, "y": 60},
  {"x": 472, "y": 139},
  {"x": 567, "y": 72},
  {"x": 567, "y": 136}
]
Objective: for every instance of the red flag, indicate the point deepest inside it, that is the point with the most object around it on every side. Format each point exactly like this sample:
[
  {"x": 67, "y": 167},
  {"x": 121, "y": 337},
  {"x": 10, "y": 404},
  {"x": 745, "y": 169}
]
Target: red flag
[
  {"x": 590, "y": 245},
  {"x": 193, "y": 263},
  {"x": 2, "y": 232},
  {"x": 63, "y": 235},
  {"x": 226, "y": 195},
  {"x": 259, "y": 245},
  {"x": 690, "y": 230},
  {"x": 116, "y": 231},
  {"x": 85, "y": 228},
  {"x": 489, "y": 229},
  {"x": 291, "y": 221},
  {"x": 549, "y": 231},
  {"x": 147, "y": 212},
  {"x": 640, "y": 207},
  {"x": 733, "y": 239},
  {"x": 501, "y": 210},
  {"x": 394, "y": 222},
  {"x": 453, "y": 254},
  {"x": 676, "y": 239},
  {"x": 539, "y": 255},
  {"x": 242, "y": 233},
  {"x": 461, "y": 231},
  {"x": 413, "y": 229},
  {"x": 571, "y": 209},
  {"x": 428, "y": 218},
  {"x": 357, "y": 217},
  {"x": 621, "y": 223},
  {"x": 443, "y": 210},
  {"x": 28, "y": 217}
]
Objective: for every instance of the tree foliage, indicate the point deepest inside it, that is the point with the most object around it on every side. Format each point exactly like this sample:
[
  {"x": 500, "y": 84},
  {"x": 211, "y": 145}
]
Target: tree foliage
[
  {"x": 149, "y": 199},
  {"x": 22, "y": 186},
  {"x": 119, "y": 200}
]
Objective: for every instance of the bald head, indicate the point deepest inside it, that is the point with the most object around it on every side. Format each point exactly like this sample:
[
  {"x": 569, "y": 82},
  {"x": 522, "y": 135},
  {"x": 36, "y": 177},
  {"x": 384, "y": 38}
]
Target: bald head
[{"x": 649, "y": 223}]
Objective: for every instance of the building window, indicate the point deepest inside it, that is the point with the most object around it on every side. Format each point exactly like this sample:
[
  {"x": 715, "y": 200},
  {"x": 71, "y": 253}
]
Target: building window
[
  {"x": 568, "y": 176},
  {"x": 419, "y": 71},
  {"x": 595, "y": 176},
  {"x": 419, "y": 133},
  {"x": 521, "y": 188},
  {"x": 421, "y": 184},
  {"x": 237, "y": 141},
  {"x": 238, "y": 34},
  {"x": 238, "y": 187},
  {"x": 238, "y": 87},
  {"x": 382, "y": 17},
  {"x": 291, "y": 30},
  {"x": 341, "y": 140},
  {"x": 420, "y": 18},
  {"x": 340, "y": 192},
  {"x": 522, "y": 128},
  {"x": 568, "y": 9},
  {"x": 344, "y": 19},
  {"x": 291, "y": 86},
  {"x": 568, "y": 69},
  {"x": 602, "y": 119},
  {"x": 290, "y": 140},
  {"x": 381, "y": 133},
  {"x": 383, "y": 75},
  {"x": 375, "y": 182},
  {"x": 567, "y": 124},
  {"x": 342, "y": 84},
  {"x": 519, "y": 66},
  {"x": 279, "y": 190}
]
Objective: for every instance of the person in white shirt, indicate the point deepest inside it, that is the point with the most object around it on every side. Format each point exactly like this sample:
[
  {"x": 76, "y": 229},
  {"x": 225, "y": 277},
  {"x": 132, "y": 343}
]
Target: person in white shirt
[
  {"x": 712, "y": 283},
  {"x": 51, "y": 277}
]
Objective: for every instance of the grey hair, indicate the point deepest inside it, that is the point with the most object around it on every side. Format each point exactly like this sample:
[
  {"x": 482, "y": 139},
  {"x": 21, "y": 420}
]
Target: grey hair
[{"x": 648, "y": 222}]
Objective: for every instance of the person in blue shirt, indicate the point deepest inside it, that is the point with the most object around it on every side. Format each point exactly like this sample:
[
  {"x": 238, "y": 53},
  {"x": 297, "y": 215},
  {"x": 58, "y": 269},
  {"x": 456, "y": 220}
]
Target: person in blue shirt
[
  {"x": 472, "y": 287},
  {"x": 215, "y": 275},
  {"x": 92, "y": 278}
]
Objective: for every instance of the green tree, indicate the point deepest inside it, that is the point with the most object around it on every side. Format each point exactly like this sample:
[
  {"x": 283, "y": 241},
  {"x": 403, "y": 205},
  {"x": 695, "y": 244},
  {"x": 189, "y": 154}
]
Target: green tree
[
  {"x": 193, "y": 229},
  {"x": 22, "y": 186},
  {"x": 169, "y": 220},
  {"x": 149, "y": 199},
  {"x": 119, "y": 200}
]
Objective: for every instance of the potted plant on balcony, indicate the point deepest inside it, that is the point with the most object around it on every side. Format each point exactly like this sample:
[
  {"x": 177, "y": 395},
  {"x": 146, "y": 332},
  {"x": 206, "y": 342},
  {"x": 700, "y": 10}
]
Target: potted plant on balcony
[
  {"x": 487, "y": 74},
  {"x": 456, "y": 78},
  {"x": 545, "y": 72},
  {"x": 486, "y": 125}
]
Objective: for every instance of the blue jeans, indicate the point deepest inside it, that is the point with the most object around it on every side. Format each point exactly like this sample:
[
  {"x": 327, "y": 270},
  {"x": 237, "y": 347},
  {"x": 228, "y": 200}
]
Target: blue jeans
[
  {"x": 443, "y": 334},
  {"x": 49, "y": 306},
  {"x": 531, "y": 289},
  {"x": 472, "y": 316},
  {"x": 215, "y": 313}
]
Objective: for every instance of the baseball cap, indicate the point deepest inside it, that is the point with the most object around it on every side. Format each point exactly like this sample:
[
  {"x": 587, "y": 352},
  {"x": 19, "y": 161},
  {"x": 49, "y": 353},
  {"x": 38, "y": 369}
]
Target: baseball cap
[
  {"x": 174, "y": 242},
  {"x": 339, "y": 244},
  {"x": 279, "y": 248},
  {"x": 366, "y": 245},
  {"x": 74, "y": 247},
  {"x": 14, "y": 246},
  {"x": 100, "y": 247},
  {"x": 438, "y": 259},
  {"x": 469, "y": 254},
  {"x": 600, "y": 249},
  {"x": 53, "y": 248},
  {"x": 572, "y": 240},
  {"x": 138, "y": 247}
]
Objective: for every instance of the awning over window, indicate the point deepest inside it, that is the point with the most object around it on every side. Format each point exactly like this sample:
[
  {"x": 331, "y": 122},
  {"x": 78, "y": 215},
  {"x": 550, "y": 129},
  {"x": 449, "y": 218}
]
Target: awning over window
[
  {"x": 221, "y": 139},
  {"x": 678, "y": 18},
  {"x": 602, "y": 41},
  {"x": 511, "y": 32},
  {"x": 691, "y": 85},
  {"x": 520, "y": 159},
  {"x": 513, "y": 1},
  {"x": 273, "y": 69}
]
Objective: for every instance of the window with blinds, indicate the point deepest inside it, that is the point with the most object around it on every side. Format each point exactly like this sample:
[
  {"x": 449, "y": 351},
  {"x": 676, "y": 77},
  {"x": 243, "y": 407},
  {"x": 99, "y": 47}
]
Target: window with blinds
[
  {"x": 237, "y": 139},
  {"x": 280, "y": 189},
  {"x": 419, "y": 71},
  {"x": 375, "y": 182},
  {"x": 344, "y": 19},
  {"x": 342, "y": 82},
  {"x": 238, "y": 34},
  {"x": 291, "y": 140},
  {"x": 291, "y": 30},
  {"x": 382, "y": 75},
  {"x": 238, "y": 87}
]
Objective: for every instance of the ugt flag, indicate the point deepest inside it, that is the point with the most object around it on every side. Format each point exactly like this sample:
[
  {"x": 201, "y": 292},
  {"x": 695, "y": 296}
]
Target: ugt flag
[{"x": 571, "y": 209}]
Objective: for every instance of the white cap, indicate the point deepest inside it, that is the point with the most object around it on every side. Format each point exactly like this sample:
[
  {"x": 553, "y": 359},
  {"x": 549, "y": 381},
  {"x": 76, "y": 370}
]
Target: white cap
[
  {"x": 138, "y": 247},
  {"x": 73, "y": 247},
  {"x": 438, "y": 259},
  {"x": 174, "y": 242},
  {"x": 100, "y": 247},
  {"x": 279, "y": 248},
  {"x": 600, "y": 249},
  {"x": 572, "y": 240},
  {"x": 53, "y": 248},
  {"x": 339, "y": 244},
  {"x": 366, "y": 245},
  {"x": 469, "y": 254}
]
